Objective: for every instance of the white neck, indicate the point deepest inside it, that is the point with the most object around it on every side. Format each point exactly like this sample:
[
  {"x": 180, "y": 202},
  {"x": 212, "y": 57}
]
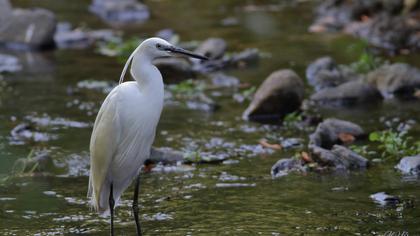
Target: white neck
[{"x": 148, "y": 77}]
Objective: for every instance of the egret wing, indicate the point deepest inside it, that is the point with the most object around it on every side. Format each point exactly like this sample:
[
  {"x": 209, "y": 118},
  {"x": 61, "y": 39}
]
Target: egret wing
[{"x": 103, "y": 145}]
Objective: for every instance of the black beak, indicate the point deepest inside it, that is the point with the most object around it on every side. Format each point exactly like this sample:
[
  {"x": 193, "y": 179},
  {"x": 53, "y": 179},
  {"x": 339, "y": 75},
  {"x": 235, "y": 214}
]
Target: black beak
[{"x": 184, "y": 52}]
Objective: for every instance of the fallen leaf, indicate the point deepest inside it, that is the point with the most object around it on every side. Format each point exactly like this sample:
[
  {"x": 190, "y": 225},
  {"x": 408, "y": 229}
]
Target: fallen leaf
[
  {"x": 364, "y": 18},
  {"x": 306, "y": 157},
  {"x": 317, "y": 29},
  {"x": 265, "y": 144},
  {"x": 417, "y": 93},
  {"x": 346, "y": 138}
]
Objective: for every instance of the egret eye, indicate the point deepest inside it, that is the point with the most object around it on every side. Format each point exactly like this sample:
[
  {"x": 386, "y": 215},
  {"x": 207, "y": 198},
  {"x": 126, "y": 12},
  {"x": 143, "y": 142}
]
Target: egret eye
[{"x": 158, "y": 46}]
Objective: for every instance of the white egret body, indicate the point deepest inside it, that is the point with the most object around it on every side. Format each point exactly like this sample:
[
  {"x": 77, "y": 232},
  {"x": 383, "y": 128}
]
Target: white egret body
[{"x": 125, "y": 127}]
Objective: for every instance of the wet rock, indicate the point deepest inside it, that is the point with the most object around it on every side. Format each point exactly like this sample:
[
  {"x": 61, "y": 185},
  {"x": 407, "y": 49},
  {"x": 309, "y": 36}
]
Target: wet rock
[
  {"x": 339, "y": 157},
  {"x": 333, "y": 15},
  {"x": 325, "y": 73},
  {"x": 395, "y": 37},
  {"x": 120, "y": 11},
  {"x": 5, "y": 9},
  {"x": 202, "y": 102},
  {"x": 281, "y": 93},
  {"x": 9, "y": 63},
  {"x": 291, "y": 143},
  {"x": 285, "y": 166},
  {"x": 165, "y": 155},
  {"x": 235, "y": 185},
  {"x": 47, "y": 121},
  {"x": 102, "y": 86},
  {"x": 223, "y": 80},
  {"x": 241, "y": 59},
  {"x": 347, "y": 94},
  {"x": 409, "y": 165},
  {"x": 385, "y": 199},
  {"x": 66, "y": 37},
  {"x": 397, "y": 79},
  {"x": 244, "y": 58},
  {"x": 36, "y": 65},
  {"x": 329, "y": 132},
  {"x": 24, "y": 132},
  {"x": 213, "y": 48},
  {"x": 72, "y": 39},
  {"x": 392, "y": 25},
  {"x": 175, "y": 70},
  {"x": 204, "y": 157},
  {"x": 26, "y": 29}
]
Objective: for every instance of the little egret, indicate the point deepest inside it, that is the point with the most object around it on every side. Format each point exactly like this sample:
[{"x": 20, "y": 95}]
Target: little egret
[{"x": 124, "y": 129}]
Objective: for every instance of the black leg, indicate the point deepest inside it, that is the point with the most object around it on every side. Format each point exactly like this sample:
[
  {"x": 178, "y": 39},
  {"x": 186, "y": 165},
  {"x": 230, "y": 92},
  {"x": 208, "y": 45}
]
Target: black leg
[
  {"x": 111, "y": 209},
  {"x": 136, "y": 205}
]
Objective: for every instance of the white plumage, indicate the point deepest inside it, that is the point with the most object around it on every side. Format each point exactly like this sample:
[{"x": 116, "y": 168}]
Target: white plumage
[{"x": 125, "y": 128}]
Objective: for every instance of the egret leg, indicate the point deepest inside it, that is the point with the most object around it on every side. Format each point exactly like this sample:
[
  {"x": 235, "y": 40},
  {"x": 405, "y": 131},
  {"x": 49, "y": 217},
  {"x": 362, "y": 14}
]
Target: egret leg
[
  {"x": 111, "y": 209},
  {"x": 136, "y": 205}
]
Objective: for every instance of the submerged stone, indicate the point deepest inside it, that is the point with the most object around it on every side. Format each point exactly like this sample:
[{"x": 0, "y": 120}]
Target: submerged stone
[
  {"x": 9, "y": 63},
  {"x": 285, "y": 166},
  {"x": 213, "y": 48},
  {"x": 339, "y": 157},
  {"x": 329, "y": 131},
  {"x": 398, "y": 79},
  {"x": 385, "y": 199},
  {"x": 166, "y": 155},
  {"x": 409, "y": 165},
  {"x": 350, "y": 93}
]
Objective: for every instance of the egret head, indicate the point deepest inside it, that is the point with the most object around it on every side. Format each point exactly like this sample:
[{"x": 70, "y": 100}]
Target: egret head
[
  {"x": 157, "y": 47},
  {"x": 153, "y": 48}
]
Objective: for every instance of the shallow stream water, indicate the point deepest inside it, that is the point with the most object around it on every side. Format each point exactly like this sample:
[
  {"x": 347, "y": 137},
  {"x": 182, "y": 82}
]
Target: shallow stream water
[{"x": 237, "y": 197}]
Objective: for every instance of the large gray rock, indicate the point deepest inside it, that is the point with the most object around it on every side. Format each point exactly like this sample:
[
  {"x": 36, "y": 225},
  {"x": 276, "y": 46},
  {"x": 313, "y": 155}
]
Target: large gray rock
[
  {"x": 5, "y": 9},
  {"x": 120, "y": 11},
  {"x": 213, "y": 48},
  {"x": 281, "y": 93},
  {"x": 350, "y": 93},
  {"x": 328, "y": 132},
  {"x": 339, "y": 157},
  {"x": 397, "y": 79},
  {"x": 409, "y": 165},
  {"x": 325, "y": 73},
  {"x": 27, "y": 28},
  {"x": 285, "y": 166}
]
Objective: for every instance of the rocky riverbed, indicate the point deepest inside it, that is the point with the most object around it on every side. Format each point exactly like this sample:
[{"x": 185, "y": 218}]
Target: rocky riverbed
[{"x": 281, "y": 124}]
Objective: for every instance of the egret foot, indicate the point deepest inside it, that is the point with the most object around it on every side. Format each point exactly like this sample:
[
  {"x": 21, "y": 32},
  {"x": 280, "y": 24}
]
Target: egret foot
[
  {"x": 136, "y": 205},
  {"x": 111, "y": 209}
]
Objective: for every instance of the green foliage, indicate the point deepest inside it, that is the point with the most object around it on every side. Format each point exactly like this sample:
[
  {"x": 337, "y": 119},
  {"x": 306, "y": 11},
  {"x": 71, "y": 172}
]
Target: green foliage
[
  {"x": 362, "y": 150},
  {"x": 188, "y": 87},
  {"x": 121, "y": 50},
  {"x": 367, "y": 62},
  {"x": 293, "y": 117},
  {"x": 395, "y": 144},
  {"x": 248, "y": 93}
]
